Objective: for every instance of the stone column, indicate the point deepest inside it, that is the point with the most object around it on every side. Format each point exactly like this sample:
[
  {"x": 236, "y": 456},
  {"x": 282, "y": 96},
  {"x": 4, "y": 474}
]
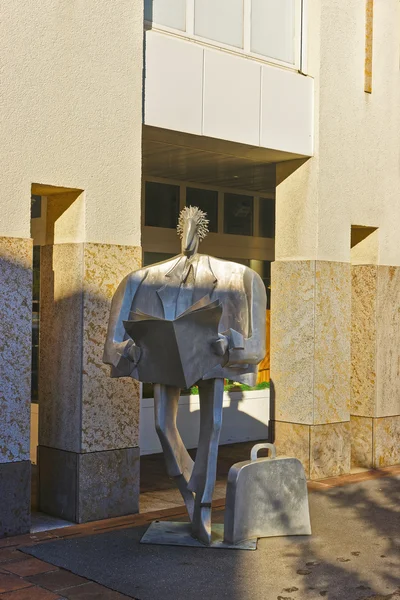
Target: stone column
[
  {"x": 310, "y": 364},
  {"x": 15, "y": 384},
  {"x": 375, "y": 345},
  {"x": 88, "y": 422}
]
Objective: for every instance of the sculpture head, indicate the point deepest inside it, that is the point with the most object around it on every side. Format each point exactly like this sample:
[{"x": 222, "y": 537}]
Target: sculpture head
[{"x": 192, "y": 229}]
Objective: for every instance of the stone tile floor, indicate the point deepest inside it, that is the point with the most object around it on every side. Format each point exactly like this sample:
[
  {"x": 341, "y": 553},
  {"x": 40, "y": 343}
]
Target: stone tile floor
[
  {"x": 26, "y": 578},
  {"x": 157, "y": 491}
]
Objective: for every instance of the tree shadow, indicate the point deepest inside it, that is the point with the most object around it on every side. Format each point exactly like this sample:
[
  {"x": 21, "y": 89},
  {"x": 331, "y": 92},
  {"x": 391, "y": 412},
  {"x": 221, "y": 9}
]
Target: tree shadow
[{"x": 353, "y": 553}]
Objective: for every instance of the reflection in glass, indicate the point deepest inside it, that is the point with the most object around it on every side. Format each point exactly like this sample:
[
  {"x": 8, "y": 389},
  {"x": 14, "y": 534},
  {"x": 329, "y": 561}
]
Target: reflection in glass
[
  {"x": 207, "y": 201},
  {"x": 238, "y": 214},
  {"x": 161, "y": 205}
]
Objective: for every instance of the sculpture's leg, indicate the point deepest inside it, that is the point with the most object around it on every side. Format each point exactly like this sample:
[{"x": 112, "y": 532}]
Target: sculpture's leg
[
  {"x": 204, "y": 473},
  {"x": 178, "y": 461}
]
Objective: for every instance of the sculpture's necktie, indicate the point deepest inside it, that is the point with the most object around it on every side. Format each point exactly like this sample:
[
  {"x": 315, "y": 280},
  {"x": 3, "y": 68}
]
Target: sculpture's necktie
[{"x": 186, "y": 288}]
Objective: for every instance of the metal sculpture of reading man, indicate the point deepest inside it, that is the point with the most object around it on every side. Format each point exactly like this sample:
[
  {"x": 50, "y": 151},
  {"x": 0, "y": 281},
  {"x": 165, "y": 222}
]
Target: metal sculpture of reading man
[{"x": 192, "y": 319}]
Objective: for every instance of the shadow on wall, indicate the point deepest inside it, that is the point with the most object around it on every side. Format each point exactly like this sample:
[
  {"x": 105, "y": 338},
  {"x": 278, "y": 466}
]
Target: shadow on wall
[{"x": 15, "y": 361}]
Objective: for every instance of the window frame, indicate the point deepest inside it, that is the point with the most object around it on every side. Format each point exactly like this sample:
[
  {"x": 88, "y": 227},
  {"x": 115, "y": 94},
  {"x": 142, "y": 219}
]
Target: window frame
[
  {"x": 160, "y": 239},
  {"x": 189, "y": 35}
]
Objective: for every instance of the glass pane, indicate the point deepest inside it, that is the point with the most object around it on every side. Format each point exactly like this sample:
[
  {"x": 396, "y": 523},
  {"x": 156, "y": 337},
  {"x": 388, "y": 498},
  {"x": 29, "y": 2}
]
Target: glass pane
[
  {"x": 151, "y": 258},
  {"x": 207, "y": 201},
  {"x": 171, "y": 13},
  {"x": 273, "y": 29},
  {"x": 36, "y": 207},
  {"x": 220, "y": 20},
  {"x": 238, "y": 214},
  {"x": 267, "y": 218},
  {"x": 161, "y": 205}
]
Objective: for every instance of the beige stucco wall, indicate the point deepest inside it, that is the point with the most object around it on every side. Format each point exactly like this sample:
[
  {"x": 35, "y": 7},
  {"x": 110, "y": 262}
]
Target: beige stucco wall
[
  {"x": 354, "y": 177},
  {"x": 335, "y": 334},
  {"x": 72, "y": 95}
]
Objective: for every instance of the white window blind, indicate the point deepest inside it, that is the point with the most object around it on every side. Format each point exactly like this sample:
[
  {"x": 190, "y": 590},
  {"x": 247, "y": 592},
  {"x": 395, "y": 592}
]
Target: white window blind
[
  {"x": 265, "y": 28},
  {"x": 220, "y": 20},
  {"x": 171, "y": 13},
  {"x": 273, "y": 29}
]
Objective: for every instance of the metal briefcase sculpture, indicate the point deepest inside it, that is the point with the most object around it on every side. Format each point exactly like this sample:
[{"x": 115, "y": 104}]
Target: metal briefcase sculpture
[{"x": 266, "y": 497}]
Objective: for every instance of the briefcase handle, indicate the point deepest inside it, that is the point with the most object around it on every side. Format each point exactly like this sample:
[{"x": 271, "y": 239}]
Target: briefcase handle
[{"x": 255, "y": 449}]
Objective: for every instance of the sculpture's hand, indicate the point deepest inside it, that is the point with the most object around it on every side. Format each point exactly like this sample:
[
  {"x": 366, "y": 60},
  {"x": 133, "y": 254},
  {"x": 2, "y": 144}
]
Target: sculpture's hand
[
  {"x": 221, "y": 345},
  {"x": 133, "y": 353}
]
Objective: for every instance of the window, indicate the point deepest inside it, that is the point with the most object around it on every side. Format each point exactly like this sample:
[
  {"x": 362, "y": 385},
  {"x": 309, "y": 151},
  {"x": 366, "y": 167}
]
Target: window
[
  {"x": 238, "y": 214},
  {"x": 220, "y": 20},
  {"x": 36, "y": 207},
  {"x": 273, "y": 29},
  {"x": 267, "y": 28},
  {"x": 267, "y": 218},
  {"x": 161, "y": 205},
  {"x": 171, "y": 13},
  {"x": 207, "y": 201},
  {"x": 151, "y": 258}
]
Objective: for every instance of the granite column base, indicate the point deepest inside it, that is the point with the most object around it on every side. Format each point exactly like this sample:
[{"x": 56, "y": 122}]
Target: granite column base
[
  {"x": 375, "y": 441},
  {"x": 90, "y": 486},
  {"x": 15, "y": 493},
  {"x": 324, "y": 450}
]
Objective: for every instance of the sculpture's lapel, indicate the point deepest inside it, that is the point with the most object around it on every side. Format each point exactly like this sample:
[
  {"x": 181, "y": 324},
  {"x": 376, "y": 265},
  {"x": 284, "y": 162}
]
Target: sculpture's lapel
[{"x": 205, "y": 280}]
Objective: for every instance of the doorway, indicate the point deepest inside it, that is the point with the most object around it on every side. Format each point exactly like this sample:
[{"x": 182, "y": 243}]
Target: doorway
[
  {"x": 49, "y": 205},
  {"x": 38, "y": 234}
]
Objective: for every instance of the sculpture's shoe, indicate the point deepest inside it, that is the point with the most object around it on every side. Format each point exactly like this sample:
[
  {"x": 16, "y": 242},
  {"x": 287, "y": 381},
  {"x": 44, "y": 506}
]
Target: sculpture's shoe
[
  {"x": 187, "y": 495},
  {"x": 201, "y": 529}
]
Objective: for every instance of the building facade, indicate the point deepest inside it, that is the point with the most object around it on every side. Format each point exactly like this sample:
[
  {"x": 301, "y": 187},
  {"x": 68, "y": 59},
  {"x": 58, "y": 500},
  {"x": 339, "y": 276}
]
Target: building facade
[{"x": 281, "y": 119}]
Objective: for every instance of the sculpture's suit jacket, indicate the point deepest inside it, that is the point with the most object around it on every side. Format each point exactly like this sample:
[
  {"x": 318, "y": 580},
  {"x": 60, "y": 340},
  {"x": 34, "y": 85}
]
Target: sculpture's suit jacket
[{"x": 156, "y": 290}]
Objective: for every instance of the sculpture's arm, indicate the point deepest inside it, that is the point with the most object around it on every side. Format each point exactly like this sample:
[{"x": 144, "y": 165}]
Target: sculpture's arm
[
  {"x": 118, "y": 347},
  {"x": 251, "y": 350}
]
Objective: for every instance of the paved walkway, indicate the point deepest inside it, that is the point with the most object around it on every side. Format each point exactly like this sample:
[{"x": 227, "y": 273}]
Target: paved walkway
[{"x": 26, "y": 578}]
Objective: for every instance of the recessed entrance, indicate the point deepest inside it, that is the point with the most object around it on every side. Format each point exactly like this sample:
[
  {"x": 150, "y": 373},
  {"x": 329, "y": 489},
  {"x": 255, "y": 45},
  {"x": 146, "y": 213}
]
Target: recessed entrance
[
  {"x": 55, "y": 218},
  {"x": 238, "y": 195}
]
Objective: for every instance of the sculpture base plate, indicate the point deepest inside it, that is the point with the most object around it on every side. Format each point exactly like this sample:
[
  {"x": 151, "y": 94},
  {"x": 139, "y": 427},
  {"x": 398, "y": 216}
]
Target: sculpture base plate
[{"x": 170, "y": 533}]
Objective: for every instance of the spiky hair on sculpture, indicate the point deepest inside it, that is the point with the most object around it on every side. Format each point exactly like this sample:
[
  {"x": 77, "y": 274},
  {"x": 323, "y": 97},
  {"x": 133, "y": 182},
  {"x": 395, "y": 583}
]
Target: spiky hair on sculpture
[{"x": 200, "y": 217}]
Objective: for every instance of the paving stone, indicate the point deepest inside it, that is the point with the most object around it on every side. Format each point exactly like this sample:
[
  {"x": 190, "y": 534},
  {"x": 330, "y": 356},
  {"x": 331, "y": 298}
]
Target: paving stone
[
  {"x": 9, "y": 582},
  {"x": 14, "y": 541},
  {"x": 11, "y": 554},
  {"x": 31, "y": 593},
  {"x": 25, "y": 568},
  {"x": 57, "y": 580}
]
